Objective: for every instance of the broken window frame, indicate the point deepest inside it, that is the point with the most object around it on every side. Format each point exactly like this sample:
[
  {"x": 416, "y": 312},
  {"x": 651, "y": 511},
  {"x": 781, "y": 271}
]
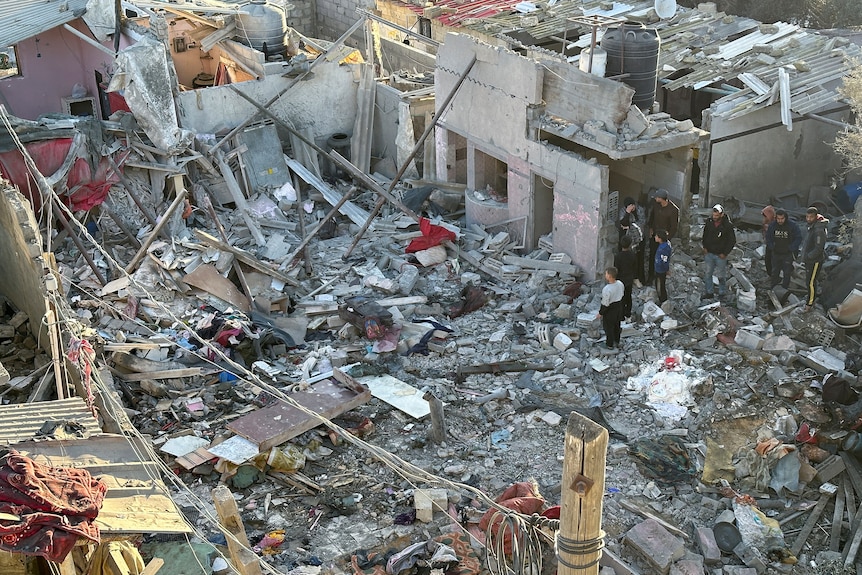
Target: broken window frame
[{"x": 14, "y": 69}]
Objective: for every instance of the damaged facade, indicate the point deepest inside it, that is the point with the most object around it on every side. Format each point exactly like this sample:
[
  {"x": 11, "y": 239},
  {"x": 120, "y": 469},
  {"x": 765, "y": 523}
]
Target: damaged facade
[{"x": 323, "y": 305}]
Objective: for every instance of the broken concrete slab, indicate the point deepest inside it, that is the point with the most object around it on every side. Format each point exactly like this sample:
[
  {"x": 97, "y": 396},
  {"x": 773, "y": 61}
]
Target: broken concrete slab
[{"x": 655, "y": 544}]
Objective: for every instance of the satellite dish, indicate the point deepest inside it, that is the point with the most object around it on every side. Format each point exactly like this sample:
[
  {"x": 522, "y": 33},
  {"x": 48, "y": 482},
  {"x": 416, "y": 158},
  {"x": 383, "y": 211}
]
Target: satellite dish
[{"x": 665, "y": 8}]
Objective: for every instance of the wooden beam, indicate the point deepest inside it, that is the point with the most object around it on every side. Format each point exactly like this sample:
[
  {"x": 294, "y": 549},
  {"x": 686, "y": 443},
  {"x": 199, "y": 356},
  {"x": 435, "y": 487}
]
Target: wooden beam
[
  {"x": 245, "y": 257},
  {"x": 239, "y": 200},
  {"x": 167, "y": 374},
  {"x": 837, "y": 515},
  {"x": 438, "y": 423},
  {"x": 244, "y": 560},
  {"x": 153, "y": 566},
  {"x": 810, "y": 523},
  {"x": 142, "y": 251}
]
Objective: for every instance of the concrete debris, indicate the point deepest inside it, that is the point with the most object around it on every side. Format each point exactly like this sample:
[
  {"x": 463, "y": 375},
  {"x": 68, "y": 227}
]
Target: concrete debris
[{"x": 347, "y": 371}]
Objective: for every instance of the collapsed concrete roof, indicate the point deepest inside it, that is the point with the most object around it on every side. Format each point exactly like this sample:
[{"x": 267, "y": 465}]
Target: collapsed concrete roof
[{"x": 756, "y": 64}]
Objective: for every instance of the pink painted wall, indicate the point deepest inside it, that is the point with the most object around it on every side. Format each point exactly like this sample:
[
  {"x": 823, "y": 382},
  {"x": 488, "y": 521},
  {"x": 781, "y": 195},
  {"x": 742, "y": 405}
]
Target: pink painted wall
[{"x": 51, "y": 64}]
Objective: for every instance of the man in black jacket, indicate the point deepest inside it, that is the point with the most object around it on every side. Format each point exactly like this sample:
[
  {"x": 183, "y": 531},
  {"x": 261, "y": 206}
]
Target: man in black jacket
[
  {"x": 813, "y": 252},
  {"x": 718, "y": 239},
  {"x": 783, "y": 239}
]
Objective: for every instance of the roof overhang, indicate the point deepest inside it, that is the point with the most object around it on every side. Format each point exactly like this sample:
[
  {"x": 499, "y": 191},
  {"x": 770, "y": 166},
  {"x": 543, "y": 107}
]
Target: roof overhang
[{"x": 23, "y": 19}]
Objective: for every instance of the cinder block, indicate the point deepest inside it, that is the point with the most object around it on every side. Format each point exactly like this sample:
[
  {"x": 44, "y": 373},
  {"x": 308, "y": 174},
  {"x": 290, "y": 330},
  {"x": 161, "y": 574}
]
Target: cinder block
[
  {"x": 751, "y": 556},
  {"x": 658, "y": 546},
  {"x": 562, "y": 341},
  {"x": 739, "y": 570},
  {"x": 426, "y": 500},
  {"x": 637, "y": 121},
  {"x": 707, "y": 544},
  {"x": 748, "y": 339}
]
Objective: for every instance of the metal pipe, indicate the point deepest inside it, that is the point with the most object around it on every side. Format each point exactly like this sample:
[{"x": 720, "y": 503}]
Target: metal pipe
[{"x": 89, "y": 40}]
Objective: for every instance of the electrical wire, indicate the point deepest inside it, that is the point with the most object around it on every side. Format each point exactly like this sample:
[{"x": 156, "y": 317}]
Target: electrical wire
[{"x": 411, "y": 473}]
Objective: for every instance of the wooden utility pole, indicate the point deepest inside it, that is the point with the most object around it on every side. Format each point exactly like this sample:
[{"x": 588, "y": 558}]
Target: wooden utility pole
[{"x": 580, "y": 537}]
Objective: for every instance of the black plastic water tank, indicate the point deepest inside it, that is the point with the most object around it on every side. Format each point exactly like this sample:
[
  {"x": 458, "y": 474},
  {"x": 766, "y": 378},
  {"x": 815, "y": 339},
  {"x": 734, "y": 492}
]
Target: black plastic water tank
[{"x": 633, "y": 53}]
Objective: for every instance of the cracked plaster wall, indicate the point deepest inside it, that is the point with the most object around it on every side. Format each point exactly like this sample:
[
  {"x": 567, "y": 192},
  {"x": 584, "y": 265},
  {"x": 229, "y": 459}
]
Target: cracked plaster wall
[
  {"x": 491, "y": 111},
  {"x": 753, "y": 164},
  {"x": 324, "y": 103}
]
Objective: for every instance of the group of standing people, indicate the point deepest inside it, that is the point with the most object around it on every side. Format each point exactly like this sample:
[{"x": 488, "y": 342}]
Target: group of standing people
[
  {"x": 661, "y": 224},
  {"x": 783, "y": 241}
]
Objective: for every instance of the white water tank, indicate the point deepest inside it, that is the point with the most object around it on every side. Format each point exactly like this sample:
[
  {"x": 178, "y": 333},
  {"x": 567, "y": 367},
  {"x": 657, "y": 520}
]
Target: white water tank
[
  {"x": 260, "y": 22},
  {"x": 600, "y": 61}
]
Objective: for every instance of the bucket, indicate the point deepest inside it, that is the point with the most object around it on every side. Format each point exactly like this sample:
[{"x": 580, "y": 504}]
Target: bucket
[
  {"x": 599, "y": 63},
  {"x": 852, "y": 444},
  {"x": 727, "y": 536},
  {"x": 203, "y": 80}
]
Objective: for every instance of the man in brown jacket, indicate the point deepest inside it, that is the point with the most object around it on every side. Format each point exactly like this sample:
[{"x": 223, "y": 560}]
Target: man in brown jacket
[{"x": 663, "y": 216}]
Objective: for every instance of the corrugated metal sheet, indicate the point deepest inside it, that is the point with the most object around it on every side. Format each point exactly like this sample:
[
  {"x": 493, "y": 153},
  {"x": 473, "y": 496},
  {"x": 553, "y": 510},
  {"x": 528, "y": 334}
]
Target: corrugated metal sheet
[
  {"x": 701, "y": 49},
  {"x": 22, "y": 19},
  {"x": 21, "y": 421}
]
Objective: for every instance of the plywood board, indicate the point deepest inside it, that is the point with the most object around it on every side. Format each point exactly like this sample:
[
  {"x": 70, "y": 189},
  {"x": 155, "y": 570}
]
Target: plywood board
[
  {"x": 281, "y": 422},
  {"x": 207, "y": 278},
  {"x": 136, "y": 501},
  {"x": 398, "y": 394}
]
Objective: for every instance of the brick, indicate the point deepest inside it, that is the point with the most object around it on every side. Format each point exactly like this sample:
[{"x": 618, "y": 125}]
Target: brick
[
  {"x": 708, "y": 547},
  {"x": 658, "y": 546},
  {"x": 751, "y": 556}
]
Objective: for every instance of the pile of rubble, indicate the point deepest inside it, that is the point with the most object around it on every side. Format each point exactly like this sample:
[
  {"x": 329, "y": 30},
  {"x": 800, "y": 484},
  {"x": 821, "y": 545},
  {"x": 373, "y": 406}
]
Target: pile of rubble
[{"x": 447, "y": 363}]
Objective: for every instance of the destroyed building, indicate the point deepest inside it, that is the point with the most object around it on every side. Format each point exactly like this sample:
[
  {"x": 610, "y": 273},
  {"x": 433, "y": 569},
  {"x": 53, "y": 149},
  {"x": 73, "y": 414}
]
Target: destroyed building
[{"x": 312, "y": 288}]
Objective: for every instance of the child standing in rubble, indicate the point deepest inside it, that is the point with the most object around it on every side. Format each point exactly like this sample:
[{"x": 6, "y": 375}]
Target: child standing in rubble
[
  {"x": 662, "y": 264},
  {"x": 626, "y": 264},
  {"x": 611, "y": 310}
]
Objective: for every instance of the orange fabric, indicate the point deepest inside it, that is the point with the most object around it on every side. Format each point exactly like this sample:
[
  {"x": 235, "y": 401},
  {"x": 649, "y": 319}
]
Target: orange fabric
[{"x": 521, "y": 497}]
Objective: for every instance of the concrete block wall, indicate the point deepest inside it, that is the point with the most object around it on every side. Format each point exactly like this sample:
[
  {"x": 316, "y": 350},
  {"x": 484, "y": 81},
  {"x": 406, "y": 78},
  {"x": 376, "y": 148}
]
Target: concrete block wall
[
  {"x": 599, "y": 99},
  {"x": 491, "y": 112},
  {"x": 335, "y": 17},
  {"x": 324, "y": 104},
  {"x": 303, "y": 17},
  {"x": 21, "y": 259},
  {"x": 768, "y": 160}
]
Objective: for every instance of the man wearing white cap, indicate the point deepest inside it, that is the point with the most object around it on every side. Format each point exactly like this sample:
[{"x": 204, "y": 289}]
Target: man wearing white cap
[{"x": 718, "y": 239}]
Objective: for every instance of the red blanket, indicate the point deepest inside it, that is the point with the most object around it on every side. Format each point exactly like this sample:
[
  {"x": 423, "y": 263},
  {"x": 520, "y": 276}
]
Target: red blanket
[{"x": 55, "y": 506}]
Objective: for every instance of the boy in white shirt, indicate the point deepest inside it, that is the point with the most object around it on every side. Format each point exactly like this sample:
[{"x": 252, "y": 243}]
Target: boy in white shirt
[{"x": 611, "y": 309}]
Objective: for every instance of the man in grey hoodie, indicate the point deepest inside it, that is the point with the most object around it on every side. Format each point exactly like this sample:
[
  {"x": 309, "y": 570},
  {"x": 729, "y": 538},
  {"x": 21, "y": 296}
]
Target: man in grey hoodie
[{"x": 813, "y": 252}]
